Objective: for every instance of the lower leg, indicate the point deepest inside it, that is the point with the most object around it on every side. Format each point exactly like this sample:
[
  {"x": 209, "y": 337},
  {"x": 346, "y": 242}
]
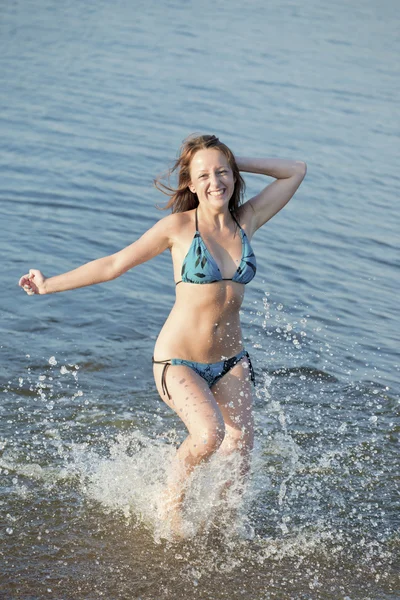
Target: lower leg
[
  {"x": 191, "y": 453},
  {"x": 237, "y": 446},
  {"x": 188, "y": 456},
  {"x": 233, "y": 394}
]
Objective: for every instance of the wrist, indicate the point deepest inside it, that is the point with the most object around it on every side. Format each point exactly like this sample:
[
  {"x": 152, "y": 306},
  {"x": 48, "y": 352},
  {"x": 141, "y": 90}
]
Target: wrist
[{"x": 44, "y": 288}]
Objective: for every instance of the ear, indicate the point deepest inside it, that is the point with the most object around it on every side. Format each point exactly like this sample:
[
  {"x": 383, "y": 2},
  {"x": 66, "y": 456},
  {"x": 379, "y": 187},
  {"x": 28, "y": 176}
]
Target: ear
[{"x": 192, "y": 188}]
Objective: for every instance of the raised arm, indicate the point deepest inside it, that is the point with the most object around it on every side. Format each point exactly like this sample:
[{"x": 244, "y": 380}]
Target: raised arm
[
  {"x": 150, "y": 244},
  {"x": 288, "y": 174}
]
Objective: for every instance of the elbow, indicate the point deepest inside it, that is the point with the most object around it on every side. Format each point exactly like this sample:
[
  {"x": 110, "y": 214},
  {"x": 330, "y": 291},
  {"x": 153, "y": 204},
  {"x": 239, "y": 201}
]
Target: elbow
[
  {"x": 301, "y": 168},
  {"x": 117, "y": 266},
  {"x": 113, "y": 269},
  {"x": 116, "y": 272}
]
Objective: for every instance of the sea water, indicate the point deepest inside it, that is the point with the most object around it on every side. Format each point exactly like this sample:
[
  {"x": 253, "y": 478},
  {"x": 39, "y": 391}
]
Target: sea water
[{"x": 95, "y": 100}]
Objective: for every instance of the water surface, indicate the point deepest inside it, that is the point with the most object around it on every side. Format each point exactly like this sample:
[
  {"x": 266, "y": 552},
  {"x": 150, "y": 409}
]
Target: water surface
[{"x": 95, "y": 100}]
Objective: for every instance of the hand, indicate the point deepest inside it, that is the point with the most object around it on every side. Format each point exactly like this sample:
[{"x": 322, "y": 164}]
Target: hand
[{"x": 33, "y": 283}]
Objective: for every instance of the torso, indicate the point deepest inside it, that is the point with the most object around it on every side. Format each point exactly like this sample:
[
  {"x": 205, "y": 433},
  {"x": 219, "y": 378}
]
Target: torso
[{"x": 204, "y": 324}]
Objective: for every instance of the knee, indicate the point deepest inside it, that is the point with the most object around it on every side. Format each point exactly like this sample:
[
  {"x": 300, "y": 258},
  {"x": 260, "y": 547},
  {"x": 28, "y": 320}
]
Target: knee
[
  {"x": 240, "y": 439},
  {"x": 208, "y": 440}
]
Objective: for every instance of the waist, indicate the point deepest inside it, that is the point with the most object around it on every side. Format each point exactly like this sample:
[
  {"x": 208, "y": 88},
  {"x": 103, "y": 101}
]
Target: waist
[
  {"x": 221, "y": 297},
  {"x": 199, "y": 337}
]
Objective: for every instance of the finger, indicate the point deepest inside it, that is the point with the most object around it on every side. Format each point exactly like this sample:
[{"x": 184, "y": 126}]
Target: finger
[
  {"x": 29, "y": 287},
  {"x": 23, "y": 279}
]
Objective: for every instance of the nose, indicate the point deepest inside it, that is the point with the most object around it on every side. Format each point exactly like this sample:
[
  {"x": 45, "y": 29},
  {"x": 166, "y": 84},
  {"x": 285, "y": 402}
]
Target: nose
[{"x": 214, "y": 181}]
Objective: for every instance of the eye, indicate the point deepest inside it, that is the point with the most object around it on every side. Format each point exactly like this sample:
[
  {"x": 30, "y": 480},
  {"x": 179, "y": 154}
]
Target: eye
[{"x": 223, "y": 171}]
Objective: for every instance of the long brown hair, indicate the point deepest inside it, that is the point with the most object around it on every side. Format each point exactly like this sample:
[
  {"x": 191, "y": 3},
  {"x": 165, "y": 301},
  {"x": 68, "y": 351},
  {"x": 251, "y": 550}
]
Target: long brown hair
[{"x": 181, "y": 198}]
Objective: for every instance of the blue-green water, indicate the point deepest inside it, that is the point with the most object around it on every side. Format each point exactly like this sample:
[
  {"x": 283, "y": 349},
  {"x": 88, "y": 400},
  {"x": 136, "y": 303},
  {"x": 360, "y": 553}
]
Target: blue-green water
[{"x": 95, "y": 99}]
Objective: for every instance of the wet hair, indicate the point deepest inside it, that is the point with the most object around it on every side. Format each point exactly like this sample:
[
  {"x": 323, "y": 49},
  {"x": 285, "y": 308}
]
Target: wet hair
[{"x": 182, "y": 198}]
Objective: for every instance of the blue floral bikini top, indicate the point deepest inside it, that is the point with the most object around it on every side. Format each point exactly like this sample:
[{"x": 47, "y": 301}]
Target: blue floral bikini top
[{"x": 199, "y": 265}]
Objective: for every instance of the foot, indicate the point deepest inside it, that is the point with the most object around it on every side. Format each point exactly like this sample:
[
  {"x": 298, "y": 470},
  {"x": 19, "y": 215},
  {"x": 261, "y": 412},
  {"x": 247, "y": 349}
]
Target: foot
[{"x": 170, "y": 512}]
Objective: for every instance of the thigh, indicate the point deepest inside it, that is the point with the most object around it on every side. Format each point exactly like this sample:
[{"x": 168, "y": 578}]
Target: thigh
[
  {"x": 233, "y": 394},
  {"x": 191, "y": 398}
]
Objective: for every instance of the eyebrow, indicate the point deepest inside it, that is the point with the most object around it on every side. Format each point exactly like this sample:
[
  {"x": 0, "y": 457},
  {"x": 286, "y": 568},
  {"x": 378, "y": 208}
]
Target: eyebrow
[{"x": 206, "y": 170}]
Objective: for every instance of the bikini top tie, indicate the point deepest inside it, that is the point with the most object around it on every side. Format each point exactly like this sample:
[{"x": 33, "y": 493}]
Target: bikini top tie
[{"x": 199, "y": 265}]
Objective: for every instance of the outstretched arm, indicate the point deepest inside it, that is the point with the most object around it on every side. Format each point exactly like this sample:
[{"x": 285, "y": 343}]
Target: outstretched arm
[
  {"x": 153, "y": 242},
  {"x": 288, "y": 174}
]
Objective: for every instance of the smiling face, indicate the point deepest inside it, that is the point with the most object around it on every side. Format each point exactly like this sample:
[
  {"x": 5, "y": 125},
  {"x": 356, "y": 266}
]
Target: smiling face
[{"x": 211, "y": 177}]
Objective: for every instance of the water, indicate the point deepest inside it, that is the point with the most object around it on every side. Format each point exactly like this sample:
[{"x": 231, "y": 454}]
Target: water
[{"x": 95, "y": 100}]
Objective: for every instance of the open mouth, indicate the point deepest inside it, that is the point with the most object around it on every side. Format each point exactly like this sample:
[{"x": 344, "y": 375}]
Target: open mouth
[{"x": 217, "y": 193}]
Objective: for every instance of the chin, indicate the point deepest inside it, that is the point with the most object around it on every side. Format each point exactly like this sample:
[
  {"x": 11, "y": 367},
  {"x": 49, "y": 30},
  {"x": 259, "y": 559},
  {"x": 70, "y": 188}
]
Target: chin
[{"x": 219, "y": 202}]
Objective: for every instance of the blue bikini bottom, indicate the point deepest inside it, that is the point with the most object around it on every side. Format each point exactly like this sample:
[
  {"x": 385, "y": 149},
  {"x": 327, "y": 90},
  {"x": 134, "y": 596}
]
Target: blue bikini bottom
[{"x": 210, "y": 372}]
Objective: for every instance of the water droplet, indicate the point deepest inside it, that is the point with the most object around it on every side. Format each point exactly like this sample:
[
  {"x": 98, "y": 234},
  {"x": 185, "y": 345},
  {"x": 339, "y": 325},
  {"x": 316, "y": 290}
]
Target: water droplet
[{"x": 52, "y": 361}]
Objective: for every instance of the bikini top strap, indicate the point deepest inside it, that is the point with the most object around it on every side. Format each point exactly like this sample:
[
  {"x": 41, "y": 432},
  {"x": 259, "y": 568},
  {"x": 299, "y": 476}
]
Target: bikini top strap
[
  {"x": 236, "y": 221},
  {"x": 197, "y": 224}
]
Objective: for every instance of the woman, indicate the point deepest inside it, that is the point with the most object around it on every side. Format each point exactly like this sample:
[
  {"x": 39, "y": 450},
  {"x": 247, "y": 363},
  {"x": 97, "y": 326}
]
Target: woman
[{"x": 201, "y": 369}]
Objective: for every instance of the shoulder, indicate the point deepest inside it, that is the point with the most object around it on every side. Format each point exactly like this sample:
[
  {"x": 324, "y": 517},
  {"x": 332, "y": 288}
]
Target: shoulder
[
  {"x": 178, "y": 219},
  {"x": 176, "y": 225}
]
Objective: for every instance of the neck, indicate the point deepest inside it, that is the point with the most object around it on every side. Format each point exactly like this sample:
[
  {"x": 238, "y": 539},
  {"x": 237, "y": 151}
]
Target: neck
[{"x": 215, "y": 218}]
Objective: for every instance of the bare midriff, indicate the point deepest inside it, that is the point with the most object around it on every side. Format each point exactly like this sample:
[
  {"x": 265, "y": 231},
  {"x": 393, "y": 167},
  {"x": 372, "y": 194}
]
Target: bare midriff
[{"x": 204, "y": 324}]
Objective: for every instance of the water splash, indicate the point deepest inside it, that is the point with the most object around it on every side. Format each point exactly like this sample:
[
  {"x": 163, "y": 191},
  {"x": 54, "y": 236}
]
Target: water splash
[
  {"x": 313, "y": 501},
  {"x": 131, "y": 476}
]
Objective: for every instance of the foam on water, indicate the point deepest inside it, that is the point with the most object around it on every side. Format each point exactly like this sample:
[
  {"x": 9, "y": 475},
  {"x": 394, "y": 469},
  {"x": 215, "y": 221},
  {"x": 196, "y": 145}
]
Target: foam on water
[{"x": 131, "y": 476}]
